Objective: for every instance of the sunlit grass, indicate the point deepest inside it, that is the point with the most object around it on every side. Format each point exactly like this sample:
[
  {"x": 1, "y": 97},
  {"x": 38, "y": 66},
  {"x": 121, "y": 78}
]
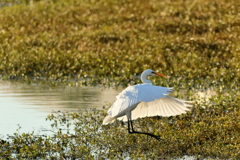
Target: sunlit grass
[
  {"x": 109, "y": 43},
  {"x": 210, "y": 132},
  {"x": 116, "y": 41}
]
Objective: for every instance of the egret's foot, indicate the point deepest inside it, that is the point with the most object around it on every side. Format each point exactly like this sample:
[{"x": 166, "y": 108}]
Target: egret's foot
[
  {"x": 157, "y": 137},
  {"x": 148, "y": 134}
]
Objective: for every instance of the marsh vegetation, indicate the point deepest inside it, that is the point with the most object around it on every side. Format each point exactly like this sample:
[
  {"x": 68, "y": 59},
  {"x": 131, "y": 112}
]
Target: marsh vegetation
[{"x": 109, "y": 43}]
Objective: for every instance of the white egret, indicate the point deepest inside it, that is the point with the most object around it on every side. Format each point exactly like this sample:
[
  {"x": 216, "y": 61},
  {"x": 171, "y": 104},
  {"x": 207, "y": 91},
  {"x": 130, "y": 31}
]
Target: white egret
[{"x": 145, "y": 100}]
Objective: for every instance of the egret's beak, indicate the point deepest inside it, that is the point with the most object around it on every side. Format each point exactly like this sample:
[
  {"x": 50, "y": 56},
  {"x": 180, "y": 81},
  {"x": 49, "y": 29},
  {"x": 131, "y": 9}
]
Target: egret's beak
[{"x": 159, "y": 74}]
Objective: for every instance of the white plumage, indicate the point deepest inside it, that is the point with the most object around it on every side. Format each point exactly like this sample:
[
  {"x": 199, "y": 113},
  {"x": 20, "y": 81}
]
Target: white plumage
[{"x": 145, "y": 100}]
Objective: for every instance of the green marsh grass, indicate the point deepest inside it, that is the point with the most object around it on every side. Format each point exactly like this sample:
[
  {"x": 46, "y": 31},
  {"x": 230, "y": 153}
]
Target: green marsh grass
[
  {"x": 109, "y": 43},
  {"x": 118, "y": 40}
]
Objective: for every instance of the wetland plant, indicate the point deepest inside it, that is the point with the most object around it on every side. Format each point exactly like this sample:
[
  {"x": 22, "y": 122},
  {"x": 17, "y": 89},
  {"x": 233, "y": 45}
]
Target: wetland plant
[{"x": 109, "y": 43}]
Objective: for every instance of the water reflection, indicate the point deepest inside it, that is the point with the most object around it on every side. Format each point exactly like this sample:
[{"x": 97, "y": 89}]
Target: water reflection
[{"x": 27, "y": 106}]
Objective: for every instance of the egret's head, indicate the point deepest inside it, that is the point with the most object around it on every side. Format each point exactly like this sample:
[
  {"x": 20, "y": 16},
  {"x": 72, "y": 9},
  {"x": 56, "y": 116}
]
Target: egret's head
[{"x": 151, "y": 72}]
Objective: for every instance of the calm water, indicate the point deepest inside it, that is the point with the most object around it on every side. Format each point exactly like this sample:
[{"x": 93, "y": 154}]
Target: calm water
[{"x": 26, "y": 106}]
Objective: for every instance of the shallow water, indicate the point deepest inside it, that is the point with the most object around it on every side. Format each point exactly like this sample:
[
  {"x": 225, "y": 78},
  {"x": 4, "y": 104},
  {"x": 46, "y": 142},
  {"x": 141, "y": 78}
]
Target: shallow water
[{"x": 25, "y": 107}]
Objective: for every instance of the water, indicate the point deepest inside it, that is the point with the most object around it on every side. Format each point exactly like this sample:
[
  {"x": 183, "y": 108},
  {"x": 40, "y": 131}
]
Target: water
[{"x": 25, "y": 107}]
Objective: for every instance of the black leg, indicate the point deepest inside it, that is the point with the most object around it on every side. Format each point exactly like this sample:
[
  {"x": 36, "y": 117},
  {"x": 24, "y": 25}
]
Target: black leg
[
  {"x": 133, "y": 131},
  {"x": 132, "y": 126},
  {"x": 129, "y": 127}
]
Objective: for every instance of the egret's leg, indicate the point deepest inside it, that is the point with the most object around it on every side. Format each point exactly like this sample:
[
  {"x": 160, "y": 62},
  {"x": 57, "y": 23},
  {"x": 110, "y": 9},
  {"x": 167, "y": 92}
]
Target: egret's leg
[
  {"x": 133, "y": 131},
  {"x": 132, "y": 126},
  {"x": 129, "y": 126},
  {"x": 129, "y": 118}
]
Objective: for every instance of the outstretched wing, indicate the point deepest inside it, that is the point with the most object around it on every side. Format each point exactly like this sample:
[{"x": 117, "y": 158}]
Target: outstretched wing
[
  {"x": 165, "y": 107},
  {"x": 135, "y": 94}
]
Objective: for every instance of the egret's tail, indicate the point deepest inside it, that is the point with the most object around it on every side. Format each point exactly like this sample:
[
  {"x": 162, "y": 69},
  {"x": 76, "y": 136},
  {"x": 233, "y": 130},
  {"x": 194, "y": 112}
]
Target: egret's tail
[{"x": 108, "y": 119}]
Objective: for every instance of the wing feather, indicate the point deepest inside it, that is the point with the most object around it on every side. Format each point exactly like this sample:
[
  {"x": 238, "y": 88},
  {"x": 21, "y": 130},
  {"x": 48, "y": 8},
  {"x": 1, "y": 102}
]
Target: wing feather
[
  {"x": 181, "y": 104},
  {"x": 177, "y": 110},
  {"x": 181, "y": 100},
  {"x": 181, "y": 108},
  {"x": 152, "y": 101},
  {"x": 160, "y": 108},
  {"x": 166, "y": 106},
  {"x": 163, "y": 109},
  {"x": 135, "y": 94},
  {"x": 141, "y": 112},
  {"x": 170, "y": 107}
]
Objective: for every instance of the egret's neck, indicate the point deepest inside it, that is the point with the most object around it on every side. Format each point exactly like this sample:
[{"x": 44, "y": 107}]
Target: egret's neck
[{"x": 144, "y": 79}]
